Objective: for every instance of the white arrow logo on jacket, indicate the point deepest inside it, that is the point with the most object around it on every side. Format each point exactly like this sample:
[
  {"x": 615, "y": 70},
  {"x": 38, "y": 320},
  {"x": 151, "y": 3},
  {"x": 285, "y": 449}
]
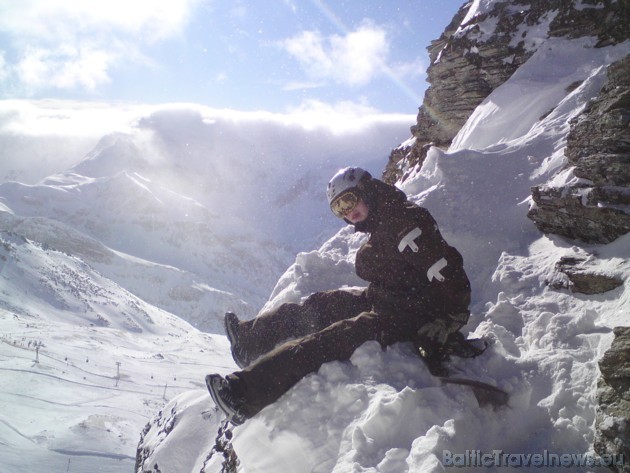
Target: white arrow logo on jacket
[{"x": 408, "y": 240}]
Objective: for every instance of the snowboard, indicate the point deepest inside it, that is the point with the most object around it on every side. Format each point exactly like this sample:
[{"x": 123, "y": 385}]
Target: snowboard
[
  {"x": 458, "y": 346},
  {"x": 485, "y": 393}
]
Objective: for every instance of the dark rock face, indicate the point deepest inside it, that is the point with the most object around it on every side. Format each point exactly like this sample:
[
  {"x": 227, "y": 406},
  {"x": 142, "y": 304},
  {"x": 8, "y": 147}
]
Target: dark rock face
[
  {"x": 596, "y": 208},
  {"x": 577, "y": 275},
  {"x": 164, "y": 422},
  {"x": 465, "y": 68},
  {"x": 613, "y": 396},
  {"x": 470, "y": 60},
  {"x": 606, "y": 19},
  {"x": 174, "y": 421}
]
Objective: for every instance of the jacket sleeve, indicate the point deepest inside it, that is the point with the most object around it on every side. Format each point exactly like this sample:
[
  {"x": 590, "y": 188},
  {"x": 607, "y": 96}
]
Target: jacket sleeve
[{"x": 438, "y": 265}]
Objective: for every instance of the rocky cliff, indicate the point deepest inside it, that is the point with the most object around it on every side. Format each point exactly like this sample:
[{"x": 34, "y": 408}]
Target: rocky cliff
[
  {"x": 479, "y": 50},
  {"x": 593, "y": 201},
  {"x": 613, "y": 433}
]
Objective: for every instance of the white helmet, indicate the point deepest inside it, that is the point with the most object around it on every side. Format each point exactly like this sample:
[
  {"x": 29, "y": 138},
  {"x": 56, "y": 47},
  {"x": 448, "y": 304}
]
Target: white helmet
[{"x": 345, "y": 179}]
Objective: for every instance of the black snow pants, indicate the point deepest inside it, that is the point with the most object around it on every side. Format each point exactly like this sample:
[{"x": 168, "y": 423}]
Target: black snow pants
[{"x": 296, "y": 339}]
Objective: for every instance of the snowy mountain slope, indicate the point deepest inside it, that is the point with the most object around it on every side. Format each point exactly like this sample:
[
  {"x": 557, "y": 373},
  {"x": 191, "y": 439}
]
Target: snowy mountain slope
[
  {"x": 542, "y": 90},
  {"x": 64, "y": 327},
  {"x": 193, "y": 206},
  {"x": 93, "y": 254},
  {"x": 382, "y": 411},
  {"x": 134, "y": 217},
  {"x": 167, "y": 287}
]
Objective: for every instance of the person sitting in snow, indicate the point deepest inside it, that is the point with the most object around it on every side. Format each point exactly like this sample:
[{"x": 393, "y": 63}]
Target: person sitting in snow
[{"x": 418, "y": 292}]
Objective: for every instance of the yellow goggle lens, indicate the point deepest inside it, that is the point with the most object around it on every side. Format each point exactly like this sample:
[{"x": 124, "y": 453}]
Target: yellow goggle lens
[{"x": 344, "y": 204}]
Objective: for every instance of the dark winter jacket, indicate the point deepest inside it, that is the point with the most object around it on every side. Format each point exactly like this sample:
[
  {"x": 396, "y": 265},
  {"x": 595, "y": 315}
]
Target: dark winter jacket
[{"x": 409, "y": 266}]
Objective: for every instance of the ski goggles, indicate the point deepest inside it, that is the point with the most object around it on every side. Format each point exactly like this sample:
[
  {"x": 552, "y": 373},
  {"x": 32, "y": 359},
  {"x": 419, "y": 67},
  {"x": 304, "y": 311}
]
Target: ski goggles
[{"x": 344, "y": 204}]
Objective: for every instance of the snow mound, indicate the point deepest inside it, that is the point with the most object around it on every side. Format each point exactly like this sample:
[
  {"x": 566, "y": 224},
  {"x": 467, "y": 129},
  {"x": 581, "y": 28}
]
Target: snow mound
[{"x": 84, "y": 362}]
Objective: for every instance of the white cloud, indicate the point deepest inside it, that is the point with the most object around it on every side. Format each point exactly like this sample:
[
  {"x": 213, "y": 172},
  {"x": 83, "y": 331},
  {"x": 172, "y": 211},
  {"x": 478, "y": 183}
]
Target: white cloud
[
  {"x": 308, "y": 48},
  {"x": 66, "y": 118},
  {"x": 345, "y": 109},
  {"x": 89, "y": 119},
  {"x": 44, "y": 137},
  {"x": 342, "y": 117},
  {"x": 154, "y": 19},
  {"x": 62, "y": 44},
  {"x": 65, "y": 67},
  {"x": 354, "y": 59}
]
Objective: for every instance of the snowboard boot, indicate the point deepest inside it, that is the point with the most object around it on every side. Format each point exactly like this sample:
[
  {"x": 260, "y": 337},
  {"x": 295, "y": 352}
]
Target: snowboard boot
[
  {"x": 233, "y": 330},
  {"x": 458, "y": 345},
  {"x": 226, "y": 399},
  {"x": 434, "y": 360}
]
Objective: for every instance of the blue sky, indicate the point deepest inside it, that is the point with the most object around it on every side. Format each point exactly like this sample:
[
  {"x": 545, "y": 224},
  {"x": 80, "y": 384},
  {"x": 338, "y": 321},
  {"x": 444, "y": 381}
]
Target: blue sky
[{"x": 272, "y": 55}]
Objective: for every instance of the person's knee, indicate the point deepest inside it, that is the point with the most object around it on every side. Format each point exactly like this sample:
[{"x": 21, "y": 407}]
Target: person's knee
[
  {"x": 366, "y": 317},
  {"x": 367, "y": 322},
  {"x": 334, "y": 297}
]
